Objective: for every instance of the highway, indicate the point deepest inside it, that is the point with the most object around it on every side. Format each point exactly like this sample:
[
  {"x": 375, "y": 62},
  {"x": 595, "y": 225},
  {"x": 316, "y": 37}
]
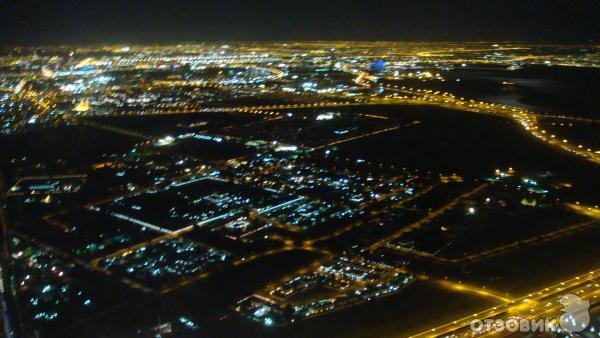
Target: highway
[{"x": 536, "y": 305}]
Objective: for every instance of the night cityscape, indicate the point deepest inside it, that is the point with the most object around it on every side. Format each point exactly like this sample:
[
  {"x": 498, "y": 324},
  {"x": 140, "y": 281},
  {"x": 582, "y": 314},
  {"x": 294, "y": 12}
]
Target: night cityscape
[{"x": 399, "y": 169}]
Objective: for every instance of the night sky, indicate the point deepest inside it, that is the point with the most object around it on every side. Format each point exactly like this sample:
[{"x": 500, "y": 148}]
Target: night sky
[{"x": 42, "y": 22}]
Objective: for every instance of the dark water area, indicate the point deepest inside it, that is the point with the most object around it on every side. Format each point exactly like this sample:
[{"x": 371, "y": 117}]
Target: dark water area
[{"x": 551, "y": 89}]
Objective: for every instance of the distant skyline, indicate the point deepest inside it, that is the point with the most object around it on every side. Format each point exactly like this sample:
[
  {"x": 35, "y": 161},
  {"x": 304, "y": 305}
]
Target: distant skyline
[{"x": 36, "y": 22}]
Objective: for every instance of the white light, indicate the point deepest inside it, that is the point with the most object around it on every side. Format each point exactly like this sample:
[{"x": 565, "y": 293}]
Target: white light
[{"x": 165, "y": 140}]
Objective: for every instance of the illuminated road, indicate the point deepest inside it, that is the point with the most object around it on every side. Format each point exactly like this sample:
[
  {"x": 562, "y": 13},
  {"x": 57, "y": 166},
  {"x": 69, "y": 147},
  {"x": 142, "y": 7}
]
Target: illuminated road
[
  {"x": 500, "y": 249},
  {"x": 44, "y": 102},
  {"x": 492, "y": 295},
  {"x": 141, "y": 83},
  {"x": 593, "y": 212},
  {"x": 357, "y": 137},
  {"x": 121, "y": 131},
  {"x": 526, "y": 119},
  {"x": 536, "y": 305},
  {"x": 430, "y": 216},
  {"x": 245, "y": 260}
]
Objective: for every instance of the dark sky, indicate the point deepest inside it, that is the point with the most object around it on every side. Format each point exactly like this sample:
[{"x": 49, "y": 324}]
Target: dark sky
[{"x": 41, "y": 22}]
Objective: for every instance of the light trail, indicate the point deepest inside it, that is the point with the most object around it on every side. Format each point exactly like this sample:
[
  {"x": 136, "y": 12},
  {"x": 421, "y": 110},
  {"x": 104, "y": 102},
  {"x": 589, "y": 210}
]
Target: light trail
[{"x": 492, "y": 295}]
